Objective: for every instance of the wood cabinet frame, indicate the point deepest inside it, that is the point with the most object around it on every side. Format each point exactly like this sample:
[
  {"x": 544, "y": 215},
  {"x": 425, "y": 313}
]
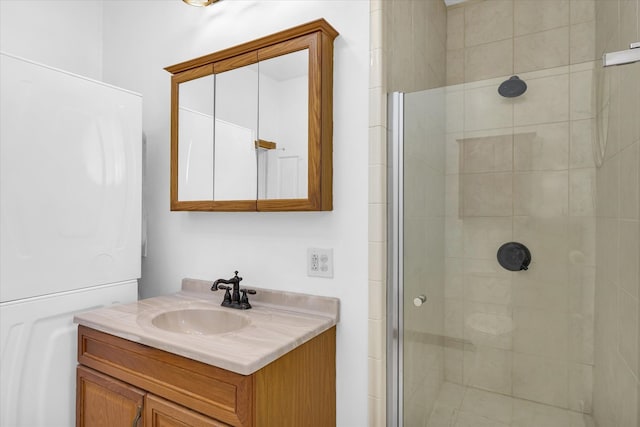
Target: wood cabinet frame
[
  {"x": 317, "y": 36},
  {"x": 297, "y": 389},
  {"x": 106, "y": 401}
]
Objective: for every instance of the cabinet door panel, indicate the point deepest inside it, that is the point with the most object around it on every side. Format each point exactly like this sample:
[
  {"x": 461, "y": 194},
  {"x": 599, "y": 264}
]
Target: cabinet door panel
[
  {"x": 162, "y": 413},
  {"x": 220, "y": 394},
  {"x": 103, "y": 401}
]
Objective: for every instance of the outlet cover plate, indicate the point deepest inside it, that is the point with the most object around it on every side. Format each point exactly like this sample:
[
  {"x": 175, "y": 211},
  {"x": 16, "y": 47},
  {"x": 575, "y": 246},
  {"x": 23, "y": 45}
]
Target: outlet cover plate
[{"x": 320, "y": 262}]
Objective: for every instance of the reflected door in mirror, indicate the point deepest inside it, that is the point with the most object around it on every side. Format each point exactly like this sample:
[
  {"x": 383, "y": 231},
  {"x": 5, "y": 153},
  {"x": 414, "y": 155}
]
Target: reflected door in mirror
[{"x": 283, "y": 148}]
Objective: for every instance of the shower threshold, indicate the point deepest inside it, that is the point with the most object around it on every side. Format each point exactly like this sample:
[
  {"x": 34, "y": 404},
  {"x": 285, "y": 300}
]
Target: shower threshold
[{"x": 461, "y": 406}]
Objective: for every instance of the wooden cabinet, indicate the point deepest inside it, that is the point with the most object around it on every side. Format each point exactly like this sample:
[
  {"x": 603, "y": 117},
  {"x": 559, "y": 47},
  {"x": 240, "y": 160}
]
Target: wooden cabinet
[
  {"x": 159, "y": 412},
  {"x": 103, "y": 401},
  {"x": 235, "y": 106},
  {"x": 296, "y": 389}
]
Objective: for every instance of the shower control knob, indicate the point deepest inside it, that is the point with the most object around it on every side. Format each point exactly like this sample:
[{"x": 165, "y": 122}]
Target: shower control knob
[{"x": 419, "y": 300}]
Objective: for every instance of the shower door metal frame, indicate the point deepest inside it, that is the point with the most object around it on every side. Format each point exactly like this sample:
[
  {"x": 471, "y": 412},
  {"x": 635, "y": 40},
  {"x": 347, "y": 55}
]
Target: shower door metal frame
[{"x": 395, "y": 226}]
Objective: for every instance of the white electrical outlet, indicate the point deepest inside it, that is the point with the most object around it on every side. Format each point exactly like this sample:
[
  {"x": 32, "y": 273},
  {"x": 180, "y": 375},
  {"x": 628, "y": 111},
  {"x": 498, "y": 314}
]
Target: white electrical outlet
[{"x": 320, "y": 262}]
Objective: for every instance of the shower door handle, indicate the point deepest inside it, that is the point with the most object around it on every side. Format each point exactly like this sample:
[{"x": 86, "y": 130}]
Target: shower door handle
[{"x": 419, "y": 300}]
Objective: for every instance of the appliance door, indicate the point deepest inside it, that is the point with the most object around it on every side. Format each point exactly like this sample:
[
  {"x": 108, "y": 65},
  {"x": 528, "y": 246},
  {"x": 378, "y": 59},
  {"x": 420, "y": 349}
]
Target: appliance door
[
  {"x": 70, "y": 181},
  {"x": 38, "y": 350}
]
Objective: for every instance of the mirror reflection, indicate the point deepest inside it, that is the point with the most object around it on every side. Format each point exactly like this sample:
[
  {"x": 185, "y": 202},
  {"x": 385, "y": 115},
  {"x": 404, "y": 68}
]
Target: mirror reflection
[
  {"x": 236, "y": 114},
  {"x": 195, "y": 134},
  {"x": 283, "y": 127},
  {"x": 243, "y": 133}
]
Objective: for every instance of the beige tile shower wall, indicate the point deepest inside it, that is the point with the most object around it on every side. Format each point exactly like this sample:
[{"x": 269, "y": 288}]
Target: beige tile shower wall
[
  {"x": 521, "y": 169},
  {"x": 415, "y": 40},
  {"x": 491, "y": 38},
  {"x": 407, "y": 54},
  {"x": 529, "y": 178},
  {"x": 415, "y": 37},
  {"x": 617, "y": 327}
]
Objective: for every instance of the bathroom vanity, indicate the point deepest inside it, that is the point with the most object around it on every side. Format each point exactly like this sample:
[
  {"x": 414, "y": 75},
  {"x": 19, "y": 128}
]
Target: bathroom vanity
[{"x": 276, "y": 369}]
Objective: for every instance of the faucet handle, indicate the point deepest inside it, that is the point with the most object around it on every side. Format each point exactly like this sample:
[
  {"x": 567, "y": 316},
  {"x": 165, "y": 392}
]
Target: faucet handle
[
  {"x": 244, "y": 300},
  {"x": 227, "y": 295}
]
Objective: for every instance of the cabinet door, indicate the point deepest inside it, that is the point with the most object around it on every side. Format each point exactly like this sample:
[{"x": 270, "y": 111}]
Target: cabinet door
[
  {"x": 102, "y": 401},
  {"x": 162, "y": 413}
]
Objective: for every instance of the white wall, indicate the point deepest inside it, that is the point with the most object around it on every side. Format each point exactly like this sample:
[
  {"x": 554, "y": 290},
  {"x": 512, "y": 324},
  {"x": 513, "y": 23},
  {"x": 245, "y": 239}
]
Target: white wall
[
  {"x": 62, "y": 34},
  {"x": 269, "y": 249}
]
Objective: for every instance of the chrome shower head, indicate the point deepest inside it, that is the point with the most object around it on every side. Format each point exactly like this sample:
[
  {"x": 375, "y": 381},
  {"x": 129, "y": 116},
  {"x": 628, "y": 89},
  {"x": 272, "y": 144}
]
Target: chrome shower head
[{"x": 512, "y": 87}]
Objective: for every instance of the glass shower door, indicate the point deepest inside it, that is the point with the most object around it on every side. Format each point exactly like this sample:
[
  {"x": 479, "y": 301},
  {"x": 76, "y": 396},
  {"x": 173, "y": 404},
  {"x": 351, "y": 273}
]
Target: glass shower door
[
  {"x": 417, "y": 202},
  {"x": 473, "y": 170}
]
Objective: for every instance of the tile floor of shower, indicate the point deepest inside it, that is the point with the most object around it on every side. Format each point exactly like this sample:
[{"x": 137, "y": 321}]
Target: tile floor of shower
[{"x": 460, "y": 406}]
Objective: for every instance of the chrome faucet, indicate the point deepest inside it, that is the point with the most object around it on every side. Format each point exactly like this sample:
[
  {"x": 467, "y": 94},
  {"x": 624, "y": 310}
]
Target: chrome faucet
[{"x": 232, "y": 298}]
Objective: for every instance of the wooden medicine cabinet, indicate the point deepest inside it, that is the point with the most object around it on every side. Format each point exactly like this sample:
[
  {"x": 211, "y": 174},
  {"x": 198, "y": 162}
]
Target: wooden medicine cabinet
[{"x": 251, "y": 125}]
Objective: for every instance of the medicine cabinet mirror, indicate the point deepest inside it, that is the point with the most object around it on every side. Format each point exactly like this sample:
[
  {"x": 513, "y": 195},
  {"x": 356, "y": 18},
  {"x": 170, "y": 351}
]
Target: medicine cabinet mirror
[{"x": 251, "y": 126}]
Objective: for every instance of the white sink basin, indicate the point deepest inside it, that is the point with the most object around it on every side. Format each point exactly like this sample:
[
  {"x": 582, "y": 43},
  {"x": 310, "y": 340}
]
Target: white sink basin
[{"x": 200, "y": 321}]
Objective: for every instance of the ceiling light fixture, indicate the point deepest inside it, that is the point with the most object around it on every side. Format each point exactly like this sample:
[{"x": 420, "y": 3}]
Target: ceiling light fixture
[{"x": 199, "y": 3}]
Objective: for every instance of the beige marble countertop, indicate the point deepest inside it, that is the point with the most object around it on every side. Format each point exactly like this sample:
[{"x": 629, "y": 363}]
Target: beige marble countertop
[{"x": 278, "y": 323}]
